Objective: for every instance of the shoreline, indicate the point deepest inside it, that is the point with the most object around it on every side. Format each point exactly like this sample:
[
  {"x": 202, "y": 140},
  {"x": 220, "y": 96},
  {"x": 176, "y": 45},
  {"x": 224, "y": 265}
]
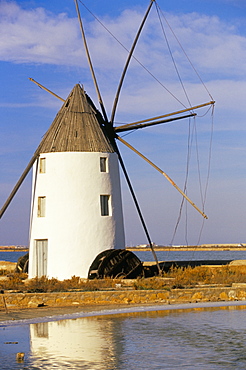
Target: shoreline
[
  {"x": 44, "y": 314},
  {"x": 183, "y": 249},
  {"x": 13, "y": 250},
  {"x": 157, "y": 249},
  {"x": 14, "y": 305}
]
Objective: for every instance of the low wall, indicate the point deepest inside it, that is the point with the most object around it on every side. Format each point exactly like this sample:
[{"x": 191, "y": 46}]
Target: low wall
[{"x": 63, "y": 299}]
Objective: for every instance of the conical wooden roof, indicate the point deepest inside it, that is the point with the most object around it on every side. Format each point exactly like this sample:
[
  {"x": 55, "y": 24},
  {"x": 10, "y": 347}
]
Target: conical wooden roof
[{"x": 76, "y": 127}]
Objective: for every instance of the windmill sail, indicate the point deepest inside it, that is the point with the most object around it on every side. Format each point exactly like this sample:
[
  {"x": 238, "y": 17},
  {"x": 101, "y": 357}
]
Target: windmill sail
[{"x": 79, "y": 128}]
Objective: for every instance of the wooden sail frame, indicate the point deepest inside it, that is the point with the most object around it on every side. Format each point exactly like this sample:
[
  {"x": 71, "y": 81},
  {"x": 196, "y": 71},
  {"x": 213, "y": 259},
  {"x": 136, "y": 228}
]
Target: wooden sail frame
[
  {"x": 109, "y": 125},
  {"x": 45, "y": 88},
  {"x": 139, "y": 124},
  {"x": 112, "y": 131},
  {"x": 128, "y": 61},
  {"x": 147, "y": 121}
]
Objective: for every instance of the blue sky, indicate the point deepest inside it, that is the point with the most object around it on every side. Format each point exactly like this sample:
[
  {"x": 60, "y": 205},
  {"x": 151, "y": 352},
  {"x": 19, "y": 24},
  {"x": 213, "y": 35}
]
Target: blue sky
[{"x": 41, "y": 39}]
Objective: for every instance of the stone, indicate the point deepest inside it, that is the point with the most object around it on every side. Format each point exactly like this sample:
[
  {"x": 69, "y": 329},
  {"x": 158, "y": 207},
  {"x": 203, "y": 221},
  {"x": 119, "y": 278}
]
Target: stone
[
  {"x": 232, "y": 295},
  {"x": 223, "y": 296},
  {"x": 7, "y": 266},
  {"x": 238, "y": 263},
  {"x": 198, "y": 296},
  {"x": 20, "y": 356}
]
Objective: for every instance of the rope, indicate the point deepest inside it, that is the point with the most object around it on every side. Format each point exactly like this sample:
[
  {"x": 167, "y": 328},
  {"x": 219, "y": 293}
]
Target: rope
[
  {"x": 170, "y": 52},
  {"x": 203, "y": 115},
  {"x": 192, "y": 132},
  {"x": 209, "y": 156},
  {"x": 137, "y": 60},
  {"x": 186, "y": 55},
  {"x": 189, "y": 142},
  {"x": 203, "y": 194},
  {"x": 198, "y": 167},
  {"x": 207, "y": 181}
]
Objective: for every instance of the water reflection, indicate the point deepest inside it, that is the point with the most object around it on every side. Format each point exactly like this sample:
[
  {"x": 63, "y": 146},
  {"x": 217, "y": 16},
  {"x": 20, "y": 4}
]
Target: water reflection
[
  {"x": 87, "y": 342},
  {"x": 195, "y": 339}
]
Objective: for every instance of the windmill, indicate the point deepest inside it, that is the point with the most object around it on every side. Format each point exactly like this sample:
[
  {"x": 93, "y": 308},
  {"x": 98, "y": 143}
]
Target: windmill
[{"x": 76, "y": 209}]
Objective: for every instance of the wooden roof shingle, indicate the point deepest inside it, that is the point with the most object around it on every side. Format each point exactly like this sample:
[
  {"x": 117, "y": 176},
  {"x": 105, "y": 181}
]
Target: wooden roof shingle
[{"x": 76, "y": 127}]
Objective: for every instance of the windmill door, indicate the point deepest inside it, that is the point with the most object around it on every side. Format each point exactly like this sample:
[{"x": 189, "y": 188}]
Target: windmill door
[{"x": 41, "y": 252}]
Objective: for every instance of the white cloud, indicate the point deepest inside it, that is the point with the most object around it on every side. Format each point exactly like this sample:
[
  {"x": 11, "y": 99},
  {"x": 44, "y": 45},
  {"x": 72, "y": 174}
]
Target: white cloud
[
  {"x": 38, "y": 36},
  {"x": 215, "y": 47}
]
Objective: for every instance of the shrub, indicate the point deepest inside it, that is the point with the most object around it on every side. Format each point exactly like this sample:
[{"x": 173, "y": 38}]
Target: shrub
[
  {"x": 174, "y": 278},
  {"x": 190, "y": 276},
  {"x": 14, "y": 282},
  {"x": 43, "y": 285},
  {"x": 154, "y": 283},
  {"x": 225, "y": 275}
]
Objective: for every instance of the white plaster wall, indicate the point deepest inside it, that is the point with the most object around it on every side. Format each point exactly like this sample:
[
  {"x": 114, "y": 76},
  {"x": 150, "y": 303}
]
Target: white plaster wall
[{"x": 73, "y": 224}]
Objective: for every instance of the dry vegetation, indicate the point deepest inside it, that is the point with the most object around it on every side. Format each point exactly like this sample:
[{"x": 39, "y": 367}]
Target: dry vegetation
[{"x": 175, "y": 278}]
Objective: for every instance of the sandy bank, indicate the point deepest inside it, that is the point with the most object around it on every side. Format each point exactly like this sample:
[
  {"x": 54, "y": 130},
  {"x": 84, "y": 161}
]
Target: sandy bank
[
  {"x": 23, "y": 305},
  {"x": 45, "y": 314}
]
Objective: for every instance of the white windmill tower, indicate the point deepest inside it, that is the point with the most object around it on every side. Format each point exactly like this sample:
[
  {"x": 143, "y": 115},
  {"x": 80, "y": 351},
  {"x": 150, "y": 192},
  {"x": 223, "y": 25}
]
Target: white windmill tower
[
  {"x": 76, "y": 193},
  {"x": 76, "y": 200}
]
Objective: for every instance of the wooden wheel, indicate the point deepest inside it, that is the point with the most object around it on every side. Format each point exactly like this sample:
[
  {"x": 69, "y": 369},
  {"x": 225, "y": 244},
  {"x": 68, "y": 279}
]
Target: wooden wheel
[{"x": 116, "y": 263}]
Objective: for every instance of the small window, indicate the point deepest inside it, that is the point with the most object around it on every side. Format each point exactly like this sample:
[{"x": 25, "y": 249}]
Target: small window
[
  {"x": 103, "y": 164},
  {"x": 104, "y": 200},
  {"x": 42, "y": 165},
  {"x": 41, "y": 206},
  {"x": 41, "y": 330}
]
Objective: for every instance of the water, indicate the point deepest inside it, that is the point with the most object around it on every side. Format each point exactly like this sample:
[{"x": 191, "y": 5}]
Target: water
[
  {"x": 161, "y": 255},
  {"x": 192, "y": 255},
  {"x": 195, "y": 338},
  {"x": 199, "y": 338},
  {"x": 11, "y": 256}
]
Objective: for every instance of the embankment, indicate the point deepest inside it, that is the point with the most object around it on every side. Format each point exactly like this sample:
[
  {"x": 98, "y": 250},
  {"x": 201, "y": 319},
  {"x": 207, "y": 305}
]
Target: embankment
[{"x": 118, "y": 297}]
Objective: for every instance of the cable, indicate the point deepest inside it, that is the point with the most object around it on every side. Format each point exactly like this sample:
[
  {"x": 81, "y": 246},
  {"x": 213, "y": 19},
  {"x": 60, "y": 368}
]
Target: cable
[
  {"x": 193, "y": 67},
  {"x": 189, "y": 142},
  {"x": 142, "y": 65},
  {"x": 192, "y": 131},
  {"x": 170, "y": 52}
]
